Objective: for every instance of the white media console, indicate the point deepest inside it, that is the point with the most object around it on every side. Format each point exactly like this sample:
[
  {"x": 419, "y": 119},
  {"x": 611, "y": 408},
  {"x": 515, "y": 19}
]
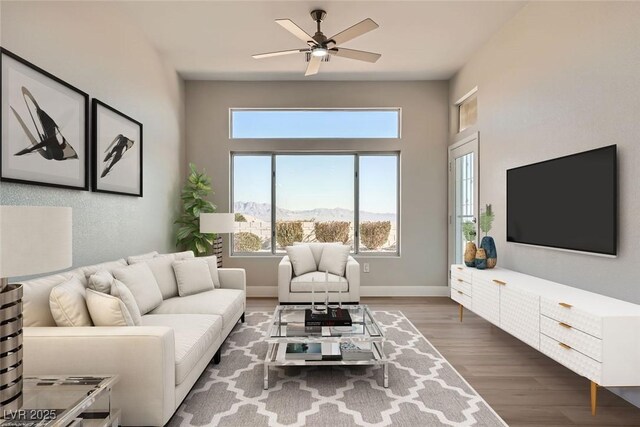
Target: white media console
[{"x": 595, "y": 336}]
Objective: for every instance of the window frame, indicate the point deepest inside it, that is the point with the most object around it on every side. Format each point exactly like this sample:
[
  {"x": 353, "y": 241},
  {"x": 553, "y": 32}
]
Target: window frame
[
  {"x": 458, "y": 104},
  {"x": 397, "y": 109},
  {"x": 356, "y": 190}
]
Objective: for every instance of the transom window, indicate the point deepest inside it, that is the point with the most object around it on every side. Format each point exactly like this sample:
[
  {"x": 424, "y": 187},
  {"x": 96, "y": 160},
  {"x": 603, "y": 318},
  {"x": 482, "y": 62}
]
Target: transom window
[
  {"x": 281, "y": 198},
  {"x": 246, "y": 123}
]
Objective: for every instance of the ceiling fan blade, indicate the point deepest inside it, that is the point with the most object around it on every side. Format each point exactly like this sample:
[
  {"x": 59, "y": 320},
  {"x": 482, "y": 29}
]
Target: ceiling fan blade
[
  {"x": 360, "y": 55},
  {"x": 354, "y": 31},
  {"x": 314, "y": 65},
  {"x": 279, "y": 53},
  {"x": 290, "y": 26}
]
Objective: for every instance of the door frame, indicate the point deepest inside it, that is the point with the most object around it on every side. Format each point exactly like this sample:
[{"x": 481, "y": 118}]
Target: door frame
[{"x": 472, "y": 143}]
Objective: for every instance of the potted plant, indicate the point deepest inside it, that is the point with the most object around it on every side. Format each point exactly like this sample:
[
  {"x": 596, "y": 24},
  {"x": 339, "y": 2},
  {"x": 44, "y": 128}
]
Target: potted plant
[
  {"x": 470, "y": 249},
  {"x": 488, "y": 245},
  {"x": 194, "y": 194}
]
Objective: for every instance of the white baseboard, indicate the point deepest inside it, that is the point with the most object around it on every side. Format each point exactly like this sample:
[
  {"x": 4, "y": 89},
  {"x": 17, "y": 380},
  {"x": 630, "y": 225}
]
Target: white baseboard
[{"x": 366, "y": 291}]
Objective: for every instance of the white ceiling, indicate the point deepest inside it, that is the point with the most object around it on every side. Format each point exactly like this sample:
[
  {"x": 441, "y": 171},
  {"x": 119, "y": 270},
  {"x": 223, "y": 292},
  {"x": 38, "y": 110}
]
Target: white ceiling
[{"x": 418, "y": 40}]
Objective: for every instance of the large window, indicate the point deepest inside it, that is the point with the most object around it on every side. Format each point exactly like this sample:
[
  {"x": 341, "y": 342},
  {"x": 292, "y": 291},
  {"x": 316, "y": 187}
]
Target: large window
[
  {"x": 315, "y": 123},
  {"x": 351, "y": 198}
]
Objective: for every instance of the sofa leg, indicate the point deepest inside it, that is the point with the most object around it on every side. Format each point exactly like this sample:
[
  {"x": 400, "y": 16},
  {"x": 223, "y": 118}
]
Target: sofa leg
[
  {"x": 242, "y": 318},
  {"x": 216, "y": 357}
]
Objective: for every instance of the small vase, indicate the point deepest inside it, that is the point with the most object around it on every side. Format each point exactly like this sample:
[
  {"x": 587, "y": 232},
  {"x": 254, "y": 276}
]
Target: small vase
[
  {"x": 470, "y": 254},
  {"x": 489, "y": 246},
  {"x": 481, "y": 259}
]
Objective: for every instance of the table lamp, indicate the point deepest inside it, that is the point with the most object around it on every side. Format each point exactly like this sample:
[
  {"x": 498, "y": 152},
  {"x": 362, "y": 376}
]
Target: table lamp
[
  {"x": 33, "y": 240},
  {"x": 217, "y": 223}
]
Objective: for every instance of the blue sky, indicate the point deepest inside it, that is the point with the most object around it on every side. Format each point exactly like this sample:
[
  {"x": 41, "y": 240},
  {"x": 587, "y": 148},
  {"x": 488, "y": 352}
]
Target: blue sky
[{"x": 325, "y": 181}]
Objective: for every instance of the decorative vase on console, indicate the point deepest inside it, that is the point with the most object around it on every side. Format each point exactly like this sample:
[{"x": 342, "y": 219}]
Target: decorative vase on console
[
  {"x": 481, "y": 259},
  {"x": 469, "y": 232},
  {"x": 488, "y": 244}
]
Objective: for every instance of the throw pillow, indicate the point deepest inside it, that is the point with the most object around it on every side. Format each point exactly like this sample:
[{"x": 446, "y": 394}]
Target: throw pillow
[
  {"x": 193, "y": 276},
  {"x": 301, "y": 259},
  {"x": 316, "y": 249},
  {"x": 334, "y": 259},
  {"x": 162, "y": 269},
  {"x": 90, "y": 270},
  {"x": 101, "y": 281},
  {"x": 137, "y": 258},
  {"x": 213, "y": 269},
  {"x": 120, "y": 291},
  {"x": 142, "y": 284},
  {"x": 67, "y": 304},
  {"x": 107, "y": 310}
]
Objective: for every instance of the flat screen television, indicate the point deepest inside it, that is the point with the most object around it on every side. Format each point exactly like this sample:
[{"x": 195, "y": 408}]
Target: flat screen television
[{"x": 566, "y": 203}]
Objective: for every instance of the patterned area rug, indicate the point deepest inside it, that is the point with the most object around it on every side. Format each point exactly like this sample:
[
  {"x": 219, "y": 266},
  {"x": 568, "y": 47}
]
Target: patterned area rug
[{"x": 424, "y": 389}]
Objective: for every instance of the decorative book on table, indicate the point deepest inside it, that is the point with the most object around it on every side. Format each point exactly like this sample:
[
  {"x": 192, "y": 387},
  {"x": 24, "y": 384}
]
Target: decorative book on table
[
  {"x": 313, "y": 351},
  {"x": 333, "y": 317},
  {"x": 356, "y": 351}
]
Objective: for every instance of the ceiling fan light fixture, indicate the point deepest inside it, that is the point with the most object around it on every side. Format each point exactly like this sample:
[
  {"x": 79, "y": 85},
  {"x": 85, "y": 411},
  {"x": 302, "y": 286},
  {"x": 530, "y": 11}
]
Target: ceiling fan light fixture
[{"x": 320, "y": 52}]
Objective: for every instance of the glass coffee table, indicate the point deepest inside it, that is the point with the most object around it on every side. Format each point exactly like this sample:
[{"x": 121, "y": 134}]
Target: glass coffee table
[
  {"x": 288, "y": 327},
  {"x": 64, "y": 401}
]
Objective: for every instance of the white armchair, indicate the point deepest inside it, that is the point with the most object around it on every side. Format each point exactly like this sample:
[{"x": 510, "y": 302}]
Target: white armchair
[{"x": 297, "y": 289}]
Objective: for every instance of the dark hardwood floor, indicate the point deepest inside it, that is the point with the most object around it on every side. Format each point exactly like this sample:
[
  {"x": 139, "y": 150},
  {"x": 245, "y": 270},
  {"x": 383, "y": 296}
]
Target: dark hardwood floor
[{"x": 524, "y": 386}]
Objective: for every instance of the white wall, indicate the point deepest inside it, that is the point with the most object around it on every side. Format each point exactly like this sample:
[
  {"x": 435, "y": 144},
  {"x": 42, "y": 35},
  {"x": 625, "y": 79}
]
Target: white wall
[
  {"x": 422, "y": 267},
  {"x": 93, "y": 47},
  {"x": 557, "y": 79}
]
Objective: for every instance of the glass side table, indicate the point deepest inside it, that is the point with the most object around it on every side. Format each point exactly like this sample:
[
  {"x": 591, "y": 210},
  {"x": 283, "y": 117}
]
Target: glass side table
[{"x": 63, "y": 401}]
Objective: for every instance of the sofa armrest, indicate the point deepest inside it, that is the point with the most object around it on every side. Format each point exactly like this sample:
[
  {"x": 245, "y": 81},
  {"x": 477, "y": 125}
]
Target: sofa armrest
[
  {"x": 233, "y": 278},
  {"x": 285, "y": 273},
  {"x": 352, "y": 273},
  {"x": 142, "y": 356}
]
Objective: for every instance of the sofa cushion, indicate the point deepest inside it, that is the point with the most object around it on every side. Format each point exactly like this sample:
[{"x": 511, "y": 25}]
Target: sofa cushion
[
  {"x": 223, "y": 302},
  {"x": 193, "y": 276},
  {"x": 334, "y": 259},
  {"x": 100, "y": 281},
  {"x": 212, "y": 261},
  {"x": 137, "y": 258},
  {"x": 142, "y": 284},
  {"x": 68, "y": 305},
  {"x": 194, "y": 335},
  {"x": 301, "y": 259},
  {"x": 35, "y": 299},
  {"x": 316, "y": 279},
  {"x": 107, "y": 310},
  {"x": 110, "y": 266},
  {"x": 316, "y": 249},
  {"x": 162, "y": 269},
  {"x": 120, "y": 291}
]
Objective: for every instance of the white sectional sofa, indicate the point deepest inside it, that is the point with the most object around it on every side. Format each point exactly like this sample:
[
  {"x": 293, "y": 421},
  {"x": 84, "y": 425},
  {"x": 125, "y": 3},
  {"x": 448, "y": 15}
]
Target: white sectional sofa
[{"x": 158, "y": 362}]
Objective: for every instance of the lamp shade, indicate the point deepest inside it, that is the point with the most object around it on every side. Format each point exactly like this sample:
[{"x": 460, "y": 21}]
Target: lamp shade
[
  {"x": 217, "y": 222},
  {"x": 34, "y": 240}
]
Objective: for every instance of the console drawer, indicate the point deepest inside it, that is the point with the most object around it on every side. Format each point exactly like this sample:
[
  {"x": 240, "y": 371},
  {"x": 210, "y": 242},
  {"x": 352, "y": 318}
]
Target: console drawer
[
  {"x": 459, "y": 272},
  {"x": 571, "y": 358},
  {"x": 461, "y": 298},
  {"x": 582, "y": 342},
  {"x": 565, "y": 312},
  {"x": 461, "y": 285}
]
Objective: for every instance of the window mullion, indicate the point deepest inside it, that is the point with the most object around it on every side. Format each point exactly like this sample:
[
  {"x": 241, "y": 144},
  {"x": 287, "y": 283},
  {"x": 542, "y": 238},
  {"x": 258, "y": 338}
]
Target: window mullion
[
  {"x": 273, "y": 204},
  {"x": 356, "y": 204}
]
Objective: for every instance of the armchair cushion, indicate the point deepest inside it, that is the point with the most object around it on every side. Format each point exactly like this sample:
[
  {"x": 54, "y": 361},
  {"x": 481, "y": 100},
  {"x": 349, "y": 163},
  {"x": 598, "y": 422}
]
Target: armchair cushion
[
  {"x": 301, "y": 259},
  {"x": 316, "y": 279},
  {"x": 334, "y": 259},
  {"x": 316, "y": 249}
]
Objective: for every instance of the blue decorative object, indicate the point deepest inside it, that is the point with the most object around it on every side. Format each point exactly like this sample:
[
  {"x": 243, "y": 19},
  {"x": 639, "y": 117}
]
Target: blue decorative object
[{"x": 489, "y": 246}]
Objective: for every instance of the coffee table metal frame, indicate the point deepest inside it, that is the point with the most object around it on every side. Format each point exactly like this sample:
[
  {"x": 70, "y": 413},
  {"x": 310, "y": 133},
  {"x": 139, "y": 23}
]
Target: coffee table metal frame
[{"x": 361, "y": 316}]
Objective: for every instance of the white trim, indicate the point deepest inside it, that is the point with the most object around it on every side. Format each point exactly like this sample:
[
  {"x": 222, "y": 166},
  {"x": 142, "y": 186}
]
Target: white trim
[
  {"x": 466, "y": 96},
  {"x": 366, "y": 291},
  {"x": 456, "y": 144}
]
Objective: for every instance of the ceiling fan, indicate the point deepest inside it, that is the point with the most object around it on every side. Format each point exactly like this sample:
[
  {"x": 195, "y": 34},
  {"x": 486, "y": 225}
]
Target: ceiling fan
[{"x": 320, "y": 47}]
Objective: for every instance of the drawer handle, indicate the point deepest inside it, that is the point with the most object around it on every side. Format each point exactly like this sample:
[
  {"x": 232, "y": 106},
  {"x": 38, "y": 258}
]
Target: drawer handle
[
  {"x": 460, "y": 280},
  {"x": 460, "y": 292},
  {"x": 563, "y": 345},
  {"x": 499, "y": 282},
  {"x": 565, "y": 305},
  {"x": 565, "y": 325},
  {"x": 460, "y": 268}
]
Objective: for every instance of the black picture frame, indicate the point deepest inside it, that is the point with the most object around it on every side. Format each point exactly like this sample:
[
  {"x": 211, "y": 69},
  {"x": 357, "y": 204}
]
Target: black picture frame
[
  {"x": 20, "y": 120},
  {"x": 97, "y": 144}
]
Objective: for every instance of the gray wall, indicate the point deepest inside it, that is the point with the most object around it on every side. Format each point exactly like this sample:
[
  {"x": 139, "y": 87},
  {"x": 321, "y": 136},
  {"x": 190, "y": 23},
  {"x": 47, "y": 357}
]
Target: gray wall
[
  {"x": 423, "y": 146},
  {"x": 91, "y": 46},
  {"x": 558, "y": 79}
]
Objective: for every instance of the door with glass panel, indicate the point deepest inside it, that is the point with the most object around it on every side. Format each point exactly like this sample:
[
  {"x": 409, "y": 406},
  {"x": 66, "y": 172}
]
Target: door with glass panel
[{"x": 463, "y": 196}]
